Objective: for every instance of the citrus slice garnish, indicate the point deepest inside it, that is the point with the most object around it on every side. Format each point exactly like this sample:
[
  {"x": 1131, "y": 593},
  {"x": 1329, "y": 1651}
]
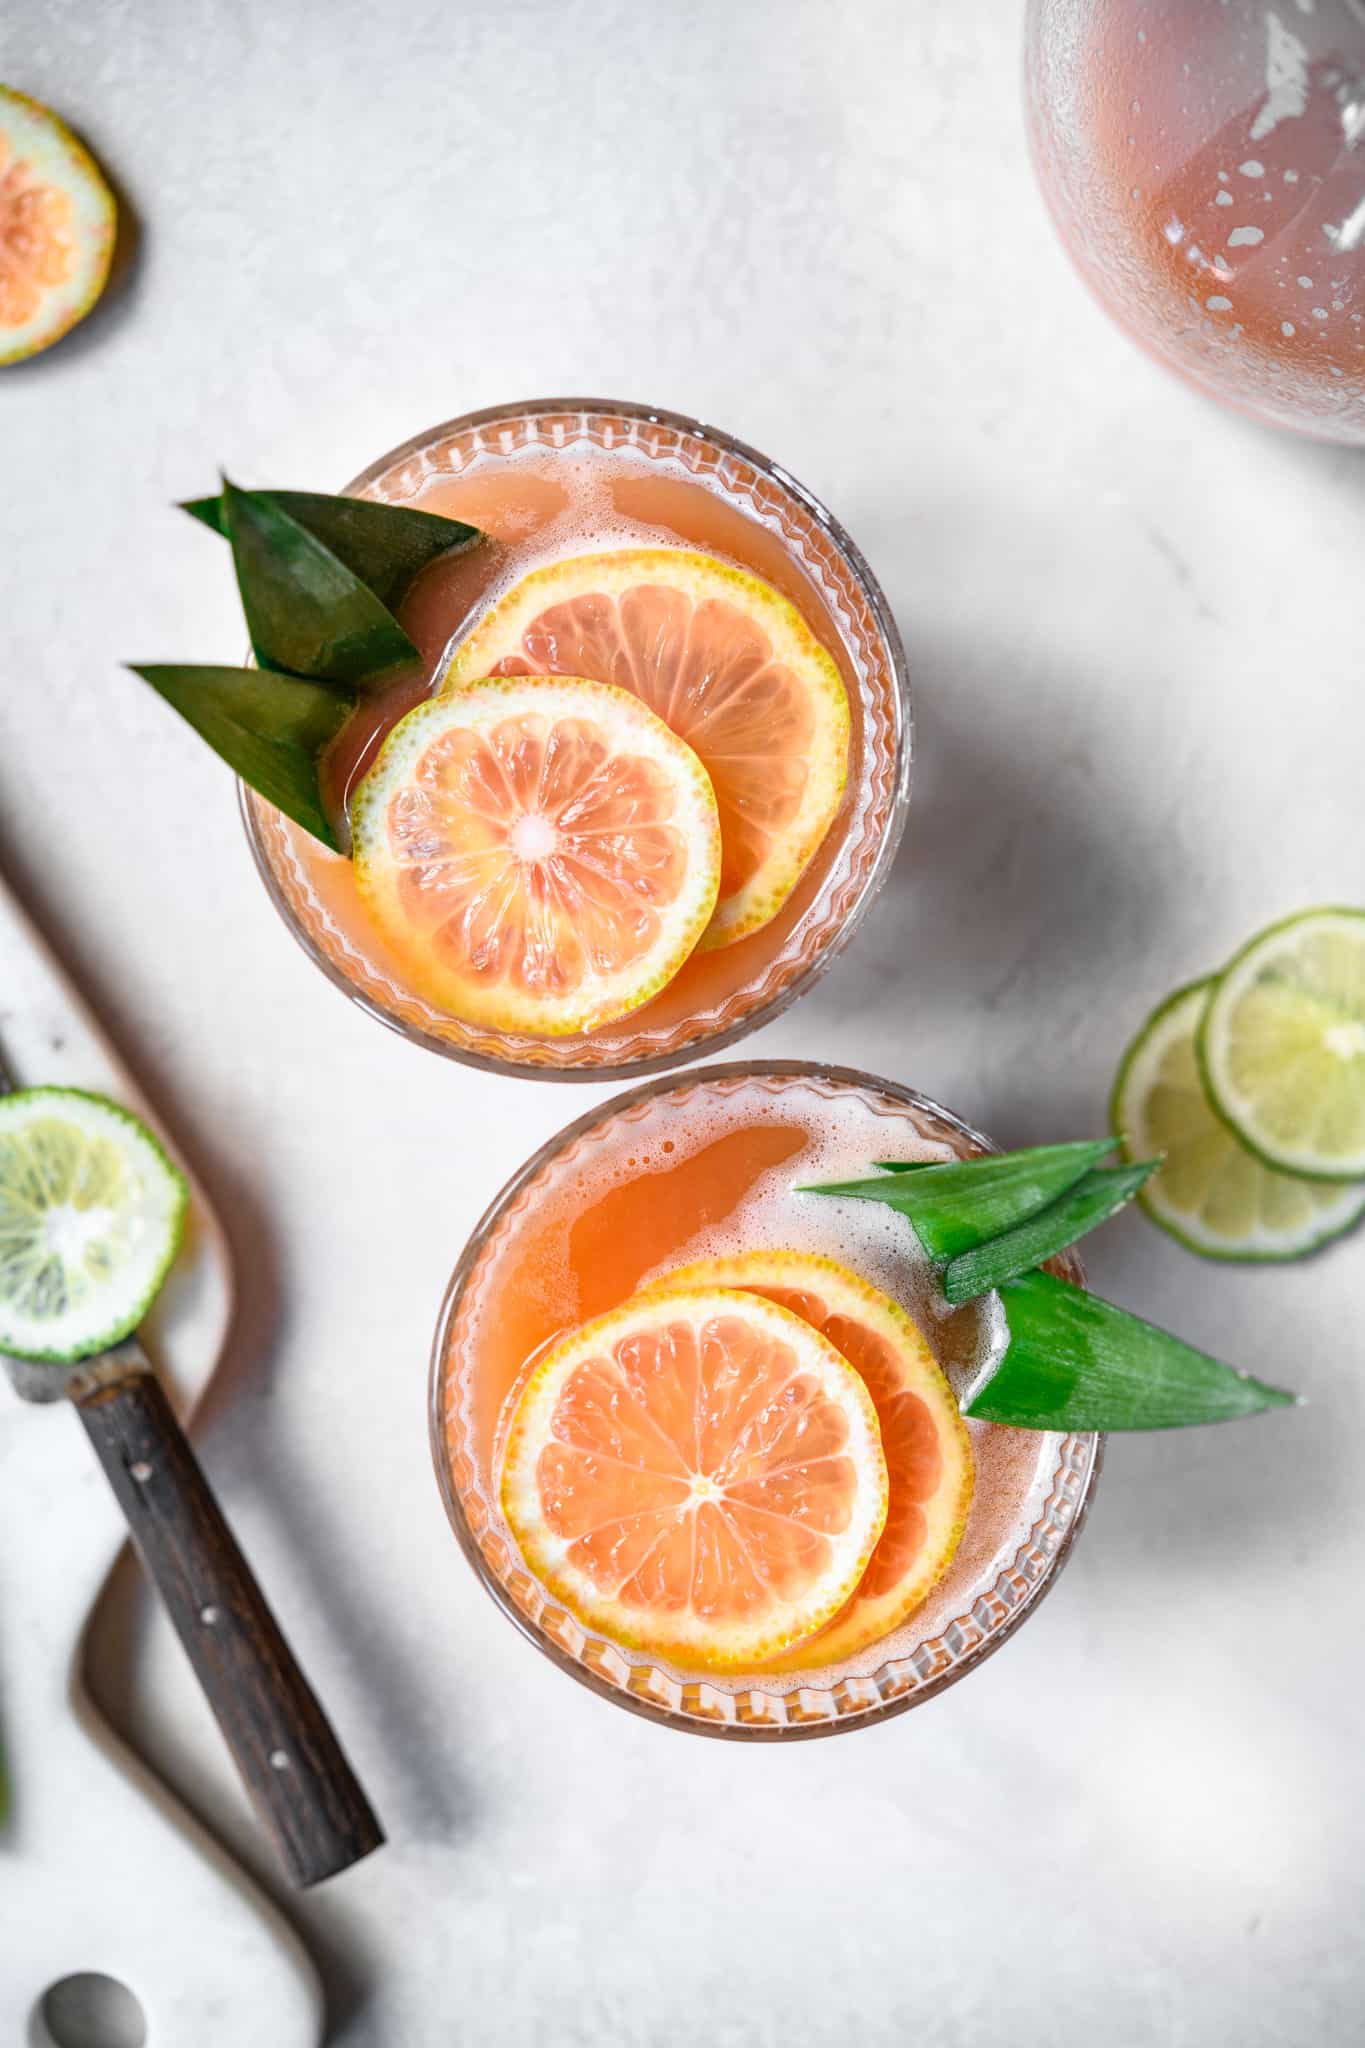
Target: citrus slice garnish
[
  {"x": 57, "y": 223},
  {"x": 734, "y": 669},
  {"x": 1210, "y": 1192},
  {"x": 91, "y": 1215},
  {"x": 541, "y": 852},
  {"x": 924, "y": 1439},
  {"x": 1281, "y": 1045},
  {"x": 698, "y": 1475}
]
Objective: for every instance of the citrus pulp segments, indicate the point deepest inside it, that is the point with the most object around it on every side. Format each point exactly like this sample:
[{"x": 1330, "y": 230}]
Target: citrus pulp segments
[
  {"x": 924, "y": 1439},
  {"x": 699, "y": 1475},
  {"x": 1281, "y": 1045},
  {"x": 57, "y": 227},
  {"x": 734, "y": 669},
  {"x": 1211, "y": 1193},
  {"x": 91, "y": 1215},
  {"x": 541, "y": 851}
]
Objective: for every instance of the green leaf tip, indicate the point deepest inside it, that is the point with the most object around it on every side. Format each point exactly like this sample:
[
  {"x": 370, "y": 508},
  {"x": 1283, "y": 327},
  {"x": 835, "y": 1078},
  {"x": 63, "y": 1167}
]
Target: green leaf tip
[
  {"x": 962, "y": 1203},
  {"x": 386, "y": 546},
  {"x": 272, "y": 730},
  {"x": 209, "y": 511},
  {"x": 320, "y": 578},
  {"x": 1076, "y": 1362},
  {"x": 1090, "y": 1201}
]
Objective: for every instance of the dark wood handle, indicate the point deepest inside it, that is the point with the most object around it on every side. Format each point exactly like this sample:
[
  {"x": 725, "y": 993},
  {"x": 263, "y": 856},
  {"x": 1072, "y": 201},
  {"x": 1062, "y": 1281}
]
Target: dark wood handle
[{"x": 291, "y": 1763}]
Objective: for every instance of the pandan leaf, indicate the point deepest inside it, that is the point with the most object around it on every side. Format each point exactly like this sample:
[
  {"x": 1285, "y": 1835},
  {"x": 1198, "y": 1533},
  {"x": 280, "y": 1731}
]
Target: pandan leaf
[
  {"x": 211, "y": 512},
  {"x": 384, "y": 545},
  {"x": 270, "y": 729},
  {"x": 1092, "y": 1201},
  {"x": 1075, "y": 1362},
  {"x": 307, "y": 613},
  {"x": 955, "y": 1206}
]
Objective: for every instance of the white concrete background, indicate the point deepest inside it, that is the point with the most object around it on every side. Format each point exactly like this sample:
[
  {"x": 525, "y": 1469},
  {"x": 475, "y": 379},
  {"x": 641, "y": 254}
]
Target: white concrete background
[{"x": 1134, "y": 628}]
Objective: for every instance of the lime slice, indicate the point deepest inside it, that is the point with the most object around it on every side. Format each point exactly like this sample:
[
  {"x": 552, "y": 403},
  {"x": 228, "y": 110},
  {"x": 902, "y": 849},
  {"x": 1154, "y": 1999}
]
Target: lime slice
[
  {"x": 91, "y": 1215},
  {"x": 1282, "y": 1045},
  {"x": 1211, "y": 1193}
]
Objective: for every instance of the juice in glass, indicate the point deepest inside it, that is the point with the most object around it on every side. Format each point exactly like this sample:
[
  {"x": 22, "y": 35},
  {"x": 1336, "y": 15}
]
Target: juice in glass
[
  {"x": 1206, "y": 166},
  {"x": 706, "y": 1167},
  {"x": 561, "y": 479}
]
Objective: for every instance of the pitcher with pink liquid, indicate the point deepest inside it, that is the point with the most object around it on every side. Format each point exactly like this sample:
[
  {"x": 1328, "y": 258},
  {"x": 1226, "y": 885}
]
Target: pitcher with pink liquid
[{"x": 1206, "y": 167}]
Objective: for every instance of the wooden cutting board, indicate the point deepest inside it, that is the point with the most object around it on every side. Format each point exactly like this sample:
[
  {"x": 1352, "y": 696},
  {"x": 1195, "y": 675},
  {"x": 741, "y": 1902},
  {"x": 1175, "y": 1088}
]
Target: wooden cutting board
[{"x": 100, "y": 1869}]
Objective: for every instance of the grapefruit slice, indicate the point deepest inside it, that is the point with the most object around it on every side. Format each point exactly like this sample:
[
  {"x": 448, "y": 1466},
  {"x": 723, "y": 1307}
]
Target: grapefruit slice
[
  {"x": 57, "y": 220},
  {"x": 924, "y": 1439},
  {"x": 729, "y": 664},
  {"x": 541, "y": 852},
  {"x": 698, "y": 1475}
]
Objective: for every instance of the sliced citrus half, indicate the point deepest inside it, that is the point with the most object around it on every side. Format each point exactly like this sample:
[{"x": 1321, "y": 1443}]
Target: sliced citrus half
[
  {"x": 924, "y": 1439},
  {"x": 541, "y": 852},
  {"x": 91, "y": 1215},
  {"x": 57, "y": 222},
  {"x": 729, "y": 664},
  {"x": 1281, "y": 1045},
  {"x": 698, "y": 1474},
  {"x": 1210, "y": 1192}
]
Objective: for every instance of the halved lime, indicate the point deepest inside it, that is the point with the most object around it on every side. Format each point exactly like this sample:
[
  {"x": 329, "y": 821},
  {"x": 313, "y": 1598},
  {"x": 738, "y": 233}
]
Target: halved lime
[
  {"x": 1281, "y": 1046},
  {"x": 91, "y": 1215},
  {"x": 1211, "y": 1192}
]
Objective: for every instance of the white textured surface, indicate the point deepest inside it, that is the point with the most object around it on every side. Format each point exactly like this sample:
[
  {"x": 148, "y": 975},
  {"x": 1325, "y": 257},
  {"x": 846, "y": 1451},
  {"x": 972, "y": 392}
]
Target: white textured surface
[
  {"x": 83, "y": 1812},
  {"x": 1134, "y": 628}
]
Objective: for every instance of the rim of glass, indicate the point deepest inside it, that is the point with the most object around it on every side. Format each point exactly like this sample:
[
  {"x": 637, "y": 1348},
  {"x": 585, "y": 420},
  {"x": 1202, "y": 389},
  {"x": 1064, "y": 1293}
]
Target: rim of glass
[
  {"x": 650, "y": 1710},
  {"x": 700, "y": 1048}
]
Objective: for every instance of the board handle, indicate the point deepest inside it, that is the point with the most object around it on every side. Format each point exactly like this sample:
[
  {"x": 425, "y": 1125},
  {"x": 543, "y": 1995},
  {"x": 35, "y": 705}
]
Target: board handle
[{"x": 291, "y": 1763}]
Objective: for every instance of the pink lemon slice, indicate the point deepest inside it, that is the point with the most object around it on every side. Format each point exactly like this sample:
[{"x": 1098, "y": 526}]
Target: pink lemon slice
[
  {"x": 57, "y": 228},
  {"x": 730, "y": 665},
  {"x": 541, "y": 853},
  {"x": 698, "y": 1475},
  {"x": 928, "y": 1452}
]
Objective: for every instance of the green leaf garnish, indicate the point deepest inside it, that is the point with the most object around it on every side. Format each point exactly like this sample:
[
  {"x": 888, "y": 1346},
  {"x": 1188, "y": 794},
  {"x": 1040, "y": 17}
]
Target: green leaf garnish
[
  {"x": 272, "y": 729},
  {"x": 306, "y": 612},
  {"x": 1075, "y": 1362},
  {"x": 384, "y": 545},
  {"x": 1094, "y": 1198},
  {"x": 960, "y": 1204},
  {"x": 318, "y": 577}
]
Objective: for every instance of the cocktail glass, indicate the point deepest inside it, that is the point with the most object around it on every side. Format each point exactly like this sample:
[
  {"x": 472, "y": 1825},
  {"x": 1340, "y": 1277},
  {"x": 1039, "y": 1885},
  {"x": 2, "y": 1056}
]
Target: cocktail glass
[
  {"x": 602, "y": 470},
  {"x": 644, "y": 1183}
]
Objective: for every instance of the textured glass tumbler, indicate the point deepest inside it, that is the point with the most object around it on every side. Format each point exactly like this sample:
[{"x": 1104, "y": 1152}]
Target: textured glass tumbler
[
  {"x": 311, "y": 890},
  {"x": 1205, "y": 163},
  {"x": 1032, "y": 1489}
]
